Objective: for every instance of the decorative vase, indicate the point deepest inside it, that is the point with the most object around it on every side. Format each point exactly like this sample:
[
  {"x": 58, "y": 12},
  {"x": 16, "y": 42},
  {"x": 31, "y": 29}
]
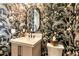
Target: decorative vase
[{"x": 53, "y": 41}]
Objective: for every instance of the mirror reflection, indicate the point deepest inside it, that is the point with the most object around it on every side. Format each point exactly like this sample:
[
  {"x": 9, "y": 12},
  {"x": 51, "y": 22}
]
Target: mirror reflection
[{"x": 33, "y": 19}]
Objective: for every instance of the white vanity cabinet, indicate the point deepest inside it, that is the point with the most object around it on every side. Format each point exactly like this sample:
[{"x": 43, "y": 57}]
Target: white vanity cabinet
[{"x": 26, "y": 46}]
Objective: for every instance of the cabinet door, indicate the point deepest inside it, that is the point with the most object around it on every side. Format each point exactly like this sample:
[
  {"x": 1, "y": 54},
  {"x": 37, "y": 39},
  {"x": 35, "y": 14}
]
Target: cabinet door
[{"x": 20, "y": 51}]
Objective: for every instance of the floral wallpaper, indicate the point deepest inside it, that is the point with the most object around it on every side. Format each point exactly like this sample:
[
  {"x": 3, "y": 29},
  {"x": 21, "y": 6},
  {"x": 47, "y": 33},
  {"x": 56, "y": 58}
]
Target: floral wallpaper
[{"x": 57, "y": 19}]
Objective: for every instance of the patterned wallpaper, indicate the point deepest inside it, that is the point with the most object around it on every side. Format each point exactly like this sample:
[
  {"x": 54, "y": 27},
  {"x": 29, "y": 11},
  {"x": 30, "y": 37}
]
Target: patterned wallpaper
[{"x": 57, "y": 19}]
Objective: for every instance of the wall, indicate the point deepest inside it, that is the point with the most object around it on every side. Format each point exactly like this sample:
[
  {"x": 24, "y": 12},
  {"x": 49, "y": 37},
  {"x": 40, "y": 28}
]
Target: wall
[{"x": 55, "y": 18}]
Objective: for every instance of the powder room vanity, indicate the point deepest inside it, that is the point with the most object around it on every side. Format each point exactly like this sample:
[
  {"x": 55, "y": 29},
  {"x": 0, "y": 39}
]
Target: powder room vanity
[
  {"x": 30, "y": 45},
  {"x": 26, "y": 46}
]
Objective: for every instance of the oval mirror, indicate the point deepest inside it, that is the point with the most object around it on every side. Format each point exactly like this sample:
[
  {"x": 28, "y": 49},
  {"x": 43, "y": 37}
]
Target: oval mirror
[{"x": 33, "y": 19}]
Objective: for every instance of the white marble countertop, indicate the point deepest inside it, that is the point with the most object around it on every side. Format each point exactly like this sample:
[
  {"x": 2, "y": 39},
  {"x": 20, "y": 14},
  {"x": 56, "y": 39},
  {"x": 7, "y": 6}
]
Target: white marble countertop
[{"x": 28, "y": 41}]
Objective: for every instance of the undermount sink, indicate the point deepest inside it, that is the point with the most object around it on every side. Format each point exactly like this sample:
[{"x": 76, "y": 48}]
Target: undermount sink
[{"x": 34, "y": 35}]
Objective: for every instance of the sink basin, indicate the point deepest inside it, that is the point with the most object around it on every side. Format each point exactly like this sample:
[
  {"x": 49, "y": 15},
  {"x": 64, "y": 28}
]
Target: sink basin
[{"x": 34, "y": 35}]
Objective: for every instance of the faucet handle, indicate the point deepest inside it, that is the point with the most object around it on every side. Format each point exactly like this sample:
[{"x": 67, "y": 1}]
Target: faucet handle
[{"x": 33, "y": 36}]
